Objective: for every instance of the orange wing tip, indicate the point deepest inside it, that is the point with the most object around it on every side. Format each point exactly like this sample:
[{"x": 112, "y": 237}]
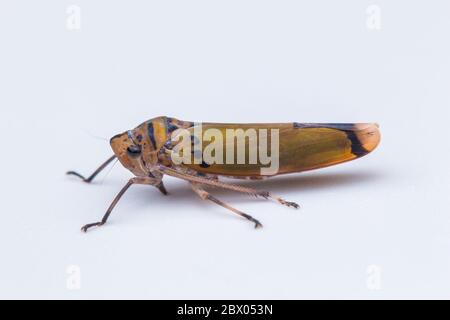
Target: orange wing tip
[{"x": 368, "y": 135}]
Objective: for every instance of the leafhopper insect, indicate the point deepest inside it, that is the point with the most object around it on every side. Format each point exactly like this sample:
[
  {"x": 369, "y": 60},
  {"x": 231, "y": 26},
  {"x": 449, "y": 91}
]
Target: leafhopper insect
[{"x": 200, "y": 153}]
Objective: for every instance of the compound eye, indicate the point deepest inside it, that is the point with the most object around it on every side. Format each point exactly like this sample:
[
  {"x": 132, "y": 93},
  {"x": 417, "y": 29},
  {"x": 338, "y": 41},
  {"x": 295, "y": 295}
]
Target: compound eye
[{"x": 134, "y": 151}]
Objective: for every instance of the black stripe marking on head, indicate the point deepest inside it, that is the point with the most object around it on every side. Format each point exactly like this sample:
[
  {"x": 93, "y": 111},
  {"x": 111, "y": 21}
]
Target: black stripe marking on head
[
  {"x": 151, "y": 134},
  {"x": 168, "y": 144},
  {"x": 171, "y": 127}
]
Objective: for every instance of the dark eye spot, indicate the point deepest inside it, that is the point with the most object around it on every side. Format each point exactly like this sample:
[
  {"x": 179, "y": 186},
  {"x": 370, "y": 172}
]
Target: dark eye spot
[{"x": 134, "y": 151}]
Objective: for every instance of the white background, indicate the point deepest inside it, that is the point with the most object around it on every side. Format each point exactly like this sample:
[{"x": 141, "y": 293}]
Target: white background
[{"x": 378, "y": 227}]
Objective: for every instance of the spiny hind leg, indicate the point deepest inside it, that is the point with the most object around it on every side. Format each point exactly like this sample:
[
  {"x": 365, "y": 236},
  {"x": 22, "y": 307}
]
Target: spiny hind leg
[
  {"x": 223, "y": 185},
  {"x": 256, "y": 193},
  {"x": 265, "y": 194},
  {"x": 260, "y": 193},
  {"x": 205, "y": 195}
]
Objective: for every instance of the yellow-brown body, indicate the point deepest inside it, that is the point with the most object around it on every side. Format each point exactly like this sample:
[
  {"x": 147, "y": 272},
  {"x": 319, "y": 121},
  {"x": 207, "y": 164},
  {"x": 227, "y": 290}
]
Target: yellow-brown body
[
  {"x": 148, "y": 152},
  {"x": 302, "y": 146}
]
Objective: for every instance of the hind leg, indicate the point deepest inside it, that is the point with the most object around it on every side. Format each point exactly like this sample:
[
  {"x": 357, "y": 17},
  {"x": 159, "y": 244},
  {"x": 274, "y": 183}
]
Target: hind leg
[
  {"x": 205, "y": 195},
  {"x": 219, "y": 184}
]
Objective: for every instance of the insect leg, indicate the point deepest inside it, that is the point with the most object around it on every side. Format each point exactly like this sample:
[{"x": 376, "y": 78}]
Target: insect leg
[
  {"x": 96, "y": 172},
  {"x": 162, "y": 188},
  {"x": 135, "y": 180},
  {"x": 219, "y": 184},
  {"x": 207, "y": 196}
]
